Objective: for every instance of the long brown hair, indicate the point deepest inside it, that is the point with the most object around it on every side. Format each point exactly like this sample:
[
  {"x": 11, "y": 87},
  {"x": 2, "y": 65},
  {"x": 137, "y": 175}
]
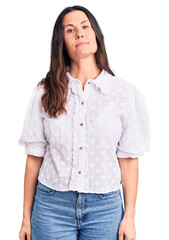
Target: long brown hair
[{"x": 55, "y": 83}]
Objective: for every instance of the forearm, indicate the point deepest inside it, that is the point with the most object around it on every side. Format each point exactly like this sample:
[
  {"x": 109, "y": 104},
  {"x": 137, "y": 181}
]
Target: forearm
[
  {"x": 30, "y": 181},
  {"x": 129, "y": 174}
]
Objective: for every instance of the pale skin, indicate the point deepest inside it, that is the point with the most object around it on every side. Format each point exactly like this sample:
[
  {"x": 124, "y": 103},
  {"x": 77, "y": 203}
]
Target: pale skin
[
  {"x": 129, "y": 177},
  {"x": 83, "y": 62},
  {"x": 33, "y": 165},
  {"x": 77, "y": 28}
]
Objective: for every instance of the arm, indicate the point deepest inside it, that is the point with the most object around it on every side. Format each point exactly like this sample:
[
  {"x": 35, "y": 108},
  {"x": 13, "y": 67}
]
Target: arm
[
  {"x": 33, "y": 165},
  {"x": 129, "y": 174}
]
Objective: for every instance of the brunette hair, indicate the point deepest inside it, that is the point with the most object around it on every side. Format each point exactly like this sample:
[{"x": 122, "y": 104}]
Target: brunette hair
[{"x": 55, "y": 83}]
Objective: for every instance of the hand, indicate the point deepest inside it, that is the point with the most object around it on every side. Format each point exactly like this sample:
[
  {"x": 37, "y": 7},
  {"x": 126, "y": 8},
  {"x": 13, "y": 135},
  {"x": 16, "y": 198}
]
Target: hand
[
  {"x": 25, "y": 231},
  {"x": 127, "y": 229}
]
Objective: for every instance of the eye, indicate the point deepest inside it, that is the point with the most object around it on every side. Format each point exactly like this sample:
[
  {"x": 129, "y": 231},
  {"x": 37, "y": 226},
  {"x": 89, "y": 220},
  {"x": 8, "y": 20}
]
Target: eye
[
  {"x": 70, "y": 30},
  {"x": 85, "y": 26}
]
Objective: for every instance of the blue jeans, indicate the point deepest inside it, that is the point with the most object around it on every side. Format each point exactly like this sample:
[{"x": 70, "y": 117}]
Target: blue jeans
[{"x": 69, "y": 215}]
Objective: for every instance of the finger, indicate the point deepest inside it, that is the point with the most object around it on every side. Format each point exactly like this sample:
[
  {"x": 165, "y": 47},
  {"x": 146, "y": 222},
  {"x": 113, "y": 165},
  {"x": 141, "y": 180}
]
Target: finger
[
  {"x": 28, "y": 236},
  {"x": 120, "y": 236},
  {"x": 22, "y": 236}
]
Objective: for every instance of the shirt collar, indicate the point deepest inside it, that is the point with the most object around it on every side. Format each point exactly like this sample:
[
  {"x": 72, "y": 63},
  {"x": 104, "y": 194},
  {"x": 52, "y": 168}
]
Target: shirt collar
[{"x": 102, "y": 81}]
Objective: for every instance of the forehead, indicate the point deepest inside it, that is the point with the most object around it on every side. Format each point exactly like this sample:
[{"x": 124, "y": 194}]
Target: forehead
[{"x": 74, "y": 17}]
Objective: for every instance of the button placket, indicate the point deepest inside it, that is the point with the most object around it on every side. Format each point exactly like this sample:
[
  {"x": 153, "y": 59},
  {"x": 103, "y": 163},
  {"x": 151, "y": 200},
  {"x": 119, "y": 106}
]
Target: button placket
[
  {"x": 75, "y": 157},
  {"x": 86, "y": 87},
  {"x": 81, "y": 130},
  {"x": 79, "y": 177}
]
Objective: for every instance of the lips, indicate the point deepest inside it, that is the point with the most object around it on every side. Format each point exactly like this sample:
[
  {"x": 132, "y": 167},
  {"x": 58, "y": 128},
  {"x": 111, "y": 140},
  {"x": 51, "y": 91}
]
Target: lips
[{"x": 81, "y": 43}]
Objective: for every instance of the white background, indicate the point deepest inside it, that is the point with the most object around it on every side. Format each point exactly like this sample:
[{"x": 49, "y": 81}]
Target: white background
[{"x": 137, "y": 44}]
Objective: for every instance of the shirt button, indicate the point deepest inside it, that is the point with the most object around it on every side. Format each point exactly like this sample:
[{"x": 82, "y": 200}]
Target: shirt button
[
  {"x": 89, "y": 82},
  {"x": 82, "y": 102},
  {"x": 81, "y": 148},
  {"x": 79, "y": 172},
  {"x": 81, "y": 124}
]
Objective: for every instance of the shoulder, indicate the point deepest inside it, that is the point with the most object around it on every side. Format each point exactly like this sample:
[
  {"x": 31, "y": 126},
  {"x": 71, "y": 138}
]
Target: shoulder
[
  {"x": 123, "y": 86},
  {"x": 35, "y": 98},
  {"x": 38, "y": 90}
]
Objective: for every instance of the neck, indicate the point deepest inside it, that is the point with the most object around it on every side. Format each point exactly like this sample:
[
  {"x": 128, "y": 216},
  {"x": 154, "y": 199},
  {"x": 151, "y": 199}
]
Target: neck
[{"x": 85, "y": 69}]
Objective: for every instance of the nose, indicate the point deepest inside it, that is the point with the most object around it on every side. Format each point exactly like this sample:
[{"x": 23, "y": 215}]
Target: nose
[{"x": 79, "y": 34}]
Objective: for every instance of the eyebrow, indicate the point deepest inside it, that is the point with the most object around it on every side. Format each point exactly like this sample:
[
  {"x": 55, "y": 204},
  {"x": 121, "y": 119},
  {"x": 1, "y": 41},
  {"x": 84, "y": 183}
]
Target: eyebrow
[{"x": 73, "y": 25}]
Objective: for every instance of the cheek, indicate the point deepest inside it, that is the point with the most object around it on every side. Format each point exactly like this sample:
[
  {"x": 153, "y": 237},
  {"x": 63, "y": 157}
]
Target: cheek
[
  {"x": 68, "y": 45},
  {"x": 93, "y": 43},
  {"x": 93, "y": 38}
]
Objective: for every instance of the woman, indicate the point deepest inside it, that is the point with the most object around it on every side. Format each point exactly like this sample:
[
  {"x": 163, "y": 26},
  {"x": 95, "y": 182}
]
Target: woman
[{"x": 83, "y": 133}]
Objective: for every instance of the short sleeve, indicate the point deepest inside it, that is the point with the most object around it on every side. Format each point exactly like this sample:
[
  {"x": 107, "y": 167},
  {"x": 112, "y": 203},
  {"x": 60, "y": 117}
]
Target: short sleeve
[
  {"x": 135, "y": 136},
  {"x": 33, "y": 137}
]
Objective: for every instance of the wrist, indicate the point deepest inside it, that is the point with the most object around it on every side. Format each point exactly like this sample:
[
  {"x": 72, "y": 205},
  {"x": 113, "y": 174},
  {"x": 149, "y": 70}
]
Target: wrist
[
  {"x": 129, "y": 213},
  {"x": 26, "y": 216}
]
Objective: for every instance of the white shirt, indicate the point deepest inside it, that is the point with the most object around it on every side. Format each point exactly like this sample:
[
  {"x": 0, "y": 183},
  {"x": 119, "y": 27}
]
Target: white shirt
[{"x": 106, "y": 121}]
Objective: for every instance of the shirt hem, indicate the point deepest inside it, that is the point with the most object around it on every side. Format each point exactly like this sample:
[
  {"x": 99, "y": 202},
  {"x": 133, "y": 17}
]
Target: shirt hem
[{"x": 78, "y": 190}]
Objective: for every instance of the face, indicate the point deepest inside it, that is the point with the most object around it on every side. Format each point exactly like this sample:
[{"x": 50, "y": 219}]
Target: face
[{"x": 77, "y": 29}]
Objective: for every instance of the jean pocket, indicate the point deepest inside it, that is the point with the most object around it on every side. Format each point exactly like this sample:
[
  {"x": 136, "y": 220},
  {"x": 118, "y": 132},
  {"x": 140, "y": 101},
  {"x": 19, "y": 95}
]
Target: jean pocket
[
  {"x": 109, "y": 195},
  {"x": 44, "y": 190}
]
